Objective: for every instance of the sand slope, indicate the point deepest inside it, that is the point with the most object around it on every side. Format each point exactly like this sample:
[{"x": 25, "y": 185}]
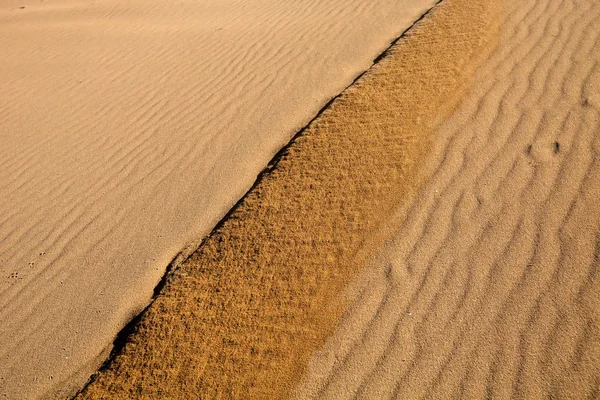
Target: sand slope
[
  {"x": 127, "y": 130},
  {"x": 240, "y": 318},
  {"x": 489, "y": 286}
]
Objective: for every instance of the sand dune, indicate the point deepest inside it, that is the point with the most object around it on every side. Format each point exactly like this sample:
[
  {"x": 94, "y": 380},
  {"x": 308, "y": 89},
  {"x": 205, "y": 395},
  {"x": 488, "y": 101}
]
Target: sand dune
[
  {"x": 127, "y": 130},
  {"x": 240, "y": 318},
  {"x": 488, "y": 286}
]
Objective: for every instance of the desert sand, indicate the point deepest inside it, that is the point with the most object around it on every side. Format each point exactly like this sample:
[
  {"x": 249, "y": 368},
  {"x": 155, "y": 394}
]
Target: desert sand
[
  {"x": 488, "y": 286},
  {"x": 241, "y": 317},
  {"x": 433, "y": 233},
  {"x": 127, "y": 131}
]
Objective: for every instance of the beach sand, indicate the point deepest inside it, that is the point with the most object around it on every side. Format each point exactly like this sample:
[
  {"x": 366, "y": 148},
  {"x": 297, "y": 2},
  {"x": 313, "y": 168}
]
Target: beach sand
[
  {"x": 488, "y": 285},
  {"x": 240, "y": 318},
  {"x": 127, "y": 131}
]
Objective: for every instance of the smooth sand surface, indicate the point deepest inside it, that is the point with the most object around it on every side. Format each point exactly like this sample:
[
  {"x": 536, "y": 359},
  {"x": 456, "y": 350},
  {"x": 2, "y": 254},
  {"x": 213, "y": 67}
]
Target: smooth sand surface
[
  {"x": 241, "y": 317},
  {"x": 127, "y": 130},
  {"x": 489, "y": 286}
]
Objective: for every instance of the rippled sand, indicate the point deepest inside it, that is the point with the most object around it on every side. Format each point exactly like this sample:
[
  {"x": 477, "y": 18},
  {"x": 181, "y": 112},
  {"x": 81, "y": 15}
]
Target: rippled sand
[{"x": 488, "y": 285}]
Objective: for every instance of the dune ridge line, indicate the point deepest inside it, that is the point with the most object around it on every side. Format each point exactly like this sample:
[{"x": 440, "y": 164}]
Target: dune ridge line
[
  {"x": 127, "y": 130},
  {"x": 241, "y": 316},
  {"x": 188, "y": 251}
]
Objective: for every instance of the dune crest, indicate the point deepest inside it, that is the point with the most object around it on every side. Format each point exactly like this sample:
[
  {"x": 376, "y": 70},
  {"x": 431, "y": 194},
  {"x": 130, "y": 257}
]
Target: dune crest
[
  {"x": 489, "y": 286},
  {"x": 127, "y": 130}
]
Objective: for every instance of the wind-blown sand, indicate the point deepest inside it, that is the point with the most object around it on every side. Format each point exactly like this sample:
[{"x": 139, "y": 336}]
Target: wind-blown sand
[
  {"x": 489, "y": 286},
  {"x": 127, "y": 130},
  {"x": 482, "y": 250},
  {"x": 240, "y": 318}
]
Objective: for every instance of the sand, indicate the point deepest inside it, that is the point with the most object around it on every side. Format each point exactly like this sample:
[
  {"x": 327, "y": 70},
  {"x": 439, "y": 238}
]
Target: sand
[
  {"x": 127, "y": 130},
  {"x": 424, "y": 237},
  {"x": 240, "y": 318},
  {"x": 488, "y": 285}
]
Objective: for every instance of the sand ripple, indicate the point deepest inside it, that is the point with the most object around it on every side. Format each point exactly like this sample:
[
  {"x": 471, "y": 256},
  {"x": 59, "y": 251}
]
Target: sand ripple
[{"x": 489, "y": 286}]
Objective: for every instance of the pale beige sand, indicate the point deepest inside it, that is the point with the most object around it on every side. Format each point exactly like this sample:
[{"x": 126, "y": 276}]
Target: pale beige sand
[
  {"x": 127, "y": 130},
  {"x": 241, "y": 317},
  {"x": 489, "y": 286}
]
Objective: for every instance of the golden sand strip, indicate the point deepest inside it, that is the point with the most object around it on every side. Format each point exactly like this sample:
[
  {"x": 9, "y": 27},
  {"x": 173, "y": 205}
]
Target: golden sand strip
[{"x": 240, "y": 317}]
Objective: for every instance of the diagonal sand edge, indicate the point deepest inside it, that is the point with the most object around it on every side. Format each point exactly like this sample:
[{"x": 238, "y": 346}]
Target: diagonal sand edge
[
  {"x": 242, "y": 315},
  {"x": 120, "y": 122}
]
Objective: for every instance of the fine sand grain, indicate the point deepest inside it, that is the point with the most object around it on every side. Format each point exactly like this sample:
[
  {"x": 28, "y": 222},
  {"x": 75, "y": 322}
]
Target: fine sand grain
[
  {"x": 127, "y": 130},
  {"x": 489, "y": 285},
  {"x": 240, "y": 318}
]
